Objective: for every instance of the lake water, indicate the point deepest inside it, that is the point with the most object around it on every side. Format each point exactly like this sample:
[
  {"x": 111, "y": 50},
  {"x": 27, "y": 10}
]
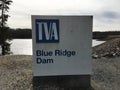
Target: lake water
[
  {"x": 21, "y": 46},
  {"x": 24, "y": 46},
  {"x": 95, "y": 42}
]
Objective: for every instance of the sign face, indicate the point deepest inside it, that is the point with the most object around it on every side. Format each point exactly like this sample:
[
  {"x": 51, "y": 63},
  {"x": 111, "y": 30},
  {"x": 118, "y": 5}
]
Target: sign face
[{"x": 62, "y": 45}]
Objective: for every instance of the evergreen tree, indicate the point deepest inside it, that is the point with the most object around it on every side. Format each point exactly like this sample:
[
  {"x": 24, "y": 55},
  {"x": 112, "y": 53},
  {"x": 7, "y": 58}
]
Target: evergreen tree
[{"x": 4, "y": 29}]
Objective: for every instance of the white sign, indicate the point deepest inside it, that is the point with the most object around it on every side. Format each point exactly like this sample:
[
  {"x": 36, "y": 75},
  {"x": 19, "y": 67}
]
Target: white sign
[{"x": 62, "y": 45}]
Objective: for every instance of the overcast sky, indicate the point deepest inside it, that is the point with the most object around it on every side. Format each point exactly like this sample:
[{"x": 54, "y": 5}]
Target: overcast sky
[{"x": 106, "y": 13}]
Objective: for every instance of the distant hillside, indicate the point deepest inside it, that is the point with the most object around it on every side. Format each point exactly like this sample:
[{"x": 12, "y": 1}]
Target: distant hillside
[
  {"x": 21, "y": 33},
  {"x": 27, "y": 34},
  {"x": 106, "y": 35}
]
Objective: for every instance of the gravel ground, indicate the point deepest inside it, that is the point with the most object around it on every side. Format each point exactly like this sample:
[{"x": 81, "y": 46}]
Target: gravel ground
[
  {"x": 106, "y": 73},
  {"x": 106, "y": 66},
  {"x": 111, "y": 48}
]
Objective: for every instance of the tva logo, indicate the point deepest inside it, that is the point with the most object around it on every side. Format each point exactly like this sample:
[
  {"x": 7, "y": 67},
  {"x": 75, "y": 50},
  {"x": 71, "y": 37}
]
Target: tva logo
[{"x": 47, "y": 30}]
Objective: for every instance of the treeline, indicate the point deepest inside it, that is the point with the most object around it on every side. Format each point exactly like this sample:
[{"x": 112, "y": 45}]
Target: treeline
[
  {"x": 21, "y": 33},
  {"x": 106, "y": 35},
  {"x": 27, "y": 34}
]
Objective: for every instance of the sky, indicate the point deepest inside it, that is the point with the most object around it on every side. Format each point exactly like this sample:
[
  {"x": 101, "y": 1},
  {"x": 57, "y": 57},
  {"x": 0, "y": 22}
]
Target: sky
[{"x": 106, "y": 13}]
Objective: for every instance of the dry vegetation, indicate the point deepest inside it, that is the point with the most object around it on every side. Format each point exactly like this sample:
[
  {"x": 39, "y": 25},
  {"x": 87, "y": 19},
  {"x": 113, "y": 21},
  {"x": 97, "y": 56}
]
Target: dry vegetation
[{"x": 16, "y": 73}]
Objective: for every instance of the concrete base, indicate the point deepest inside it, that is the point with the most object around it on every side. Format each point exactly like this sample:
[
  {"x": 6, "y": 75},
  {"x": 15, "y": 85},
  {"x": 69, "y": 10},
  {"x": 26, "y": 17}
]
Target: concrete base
[{"x": 76, "y": 82}]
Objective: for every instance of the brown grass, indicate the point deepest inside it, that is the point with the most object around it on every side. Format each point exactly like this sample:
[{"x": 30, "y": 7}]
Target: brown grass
[{"x": 16, "y": 72}]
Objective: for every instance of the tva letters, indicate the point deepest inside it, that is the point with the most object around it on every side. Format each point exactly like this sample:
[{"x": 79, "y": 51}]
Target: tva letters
[{"x": 47, "y": 31}]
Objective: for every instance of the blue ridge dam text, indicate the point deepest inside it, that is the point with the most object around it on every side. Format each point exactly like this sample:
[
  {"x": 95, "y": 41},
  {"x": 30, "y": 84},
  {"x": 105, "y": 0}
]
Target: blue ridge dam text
[{"x": 46, "y": 54}]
